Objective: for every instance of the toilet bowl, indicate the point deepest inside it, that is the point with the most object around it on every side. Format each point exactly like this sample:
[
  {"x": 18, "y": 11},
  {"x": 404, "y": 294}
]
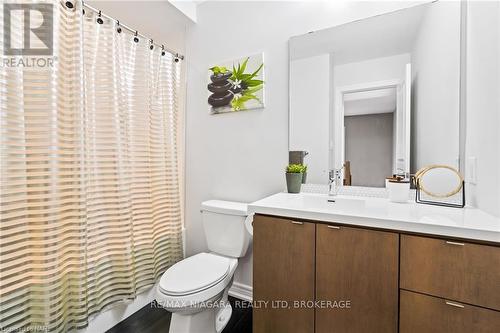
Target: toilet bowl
[{"x": 195, "y": 290}]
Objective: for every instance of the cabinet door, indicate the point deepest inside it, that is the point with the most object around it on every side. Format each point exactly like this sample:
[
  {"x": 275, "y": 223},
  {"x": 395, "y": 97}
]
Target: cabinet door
[
  {"x": 361, "y": 267},
  {"x": 422, "y": 313},
  {"x": 283, "y": 270}
]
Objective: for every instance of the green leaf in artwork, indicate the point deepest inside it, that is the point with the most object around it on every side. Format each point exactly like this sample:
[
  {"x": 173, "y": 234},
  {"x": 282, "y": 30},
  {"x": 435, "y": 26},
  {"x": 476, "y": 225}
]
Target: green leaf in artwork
[
  {"x": 245, "y": 80},
  {"x": 238, "y": 103},
  {"x": 218, "y": 69},
  {"x": 257, "y": 70},
  {"x": 248, "y": 97},
  {"x": 244, "y": 77},
  {"x": 253, "y": 83},
  {"x": 243, "y": 66},
  {"x": 253, "y": 89}
]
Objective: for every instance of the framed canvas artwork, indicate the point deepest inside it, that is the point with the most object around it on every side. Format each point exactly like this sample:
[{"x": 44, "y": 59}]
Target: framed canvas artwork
[{"x": 236, "y": 85}]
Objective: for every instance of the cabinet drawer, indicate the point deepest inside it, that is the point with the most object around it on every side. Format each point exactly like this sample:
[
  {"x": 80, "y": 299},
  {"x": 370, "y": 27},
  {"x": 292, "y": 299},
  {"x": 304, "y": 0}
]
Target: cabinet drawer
[
  {"x": 464, "y": 272},
  {"x": 422, "y": 313}
]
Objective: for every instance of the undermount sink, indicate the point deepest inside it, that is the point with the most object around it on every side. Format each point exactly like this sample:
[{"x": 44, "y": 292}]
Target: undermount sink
[
  {"x": 325, "y": 202},
  {"x": 348, "y": 203}
]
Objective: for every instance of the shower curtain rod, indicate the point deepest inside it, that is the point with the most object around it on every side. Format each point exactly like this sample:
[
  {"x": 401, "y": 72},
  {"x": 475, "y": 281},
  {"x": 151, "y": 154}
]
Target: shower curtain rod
[{"x": 136, "y": 33}]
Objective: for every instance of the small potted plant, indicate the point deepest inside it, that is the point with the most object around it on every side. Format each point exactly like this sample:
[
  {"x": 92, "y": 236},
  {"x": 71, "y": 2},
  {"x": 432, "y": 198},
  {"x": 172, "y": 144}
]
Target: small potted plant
[
  {"x": 294, "y": 177},
  {"x": 304, "y": 173}
]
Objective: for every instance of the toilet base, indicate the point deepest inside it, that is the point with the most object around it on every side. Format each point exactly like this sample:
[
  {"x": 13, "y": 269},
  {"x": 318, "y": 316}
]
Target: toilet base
[
  {"x": 211, "y": 319},
  {"x": 223, "y": 317}
]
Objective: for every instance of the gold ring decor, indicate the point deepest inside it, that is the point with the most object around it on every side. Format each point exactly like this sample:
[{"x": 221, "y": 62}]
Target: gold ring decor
[{"x": 419, "y": 183}]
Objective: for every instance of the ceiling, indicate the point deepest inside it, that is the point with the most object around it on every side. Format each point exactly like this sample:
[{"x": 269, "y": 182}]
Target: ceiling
[
  {"x": 188, "y": 7},
  {"x": 370, "y": 102},
  {"x": 374, "y": 37}
]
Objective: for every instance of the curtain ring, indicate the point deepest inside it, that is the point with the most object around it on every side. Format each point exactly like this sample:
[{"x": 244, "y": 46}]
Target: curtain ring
[
  {"x": 151, "y": 42},
  {"x": 83, "y": 7},
  {"x": 162, "y": 50},
  {"x": 118, "y": 28},
  {"x": 136, "y": 38},
  {"x": 99, "y": 19}
]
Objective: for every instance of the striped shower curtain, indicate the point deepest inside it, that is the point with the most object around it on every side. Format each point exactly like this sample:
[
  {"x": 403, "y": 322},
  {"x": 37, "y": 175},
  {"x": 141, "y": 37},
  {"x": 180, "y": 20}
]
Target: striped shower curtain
[{"x": 90, "y": 174}]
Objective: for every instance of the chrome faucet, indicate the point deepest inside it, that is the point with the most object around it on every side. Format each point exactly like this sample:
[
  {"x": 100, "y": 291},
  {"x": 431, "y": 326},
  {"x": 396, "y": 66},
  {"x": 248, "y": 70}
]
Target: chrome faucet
[{"x": 334, "y": 183}]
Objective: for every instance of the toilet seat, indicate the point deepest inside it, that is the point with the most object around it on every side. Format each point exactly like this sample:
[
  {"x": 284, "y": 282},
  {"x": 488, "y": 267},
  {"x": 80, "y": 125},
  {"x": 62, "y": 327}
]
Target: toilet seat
[{"x": 194, "y": 274}]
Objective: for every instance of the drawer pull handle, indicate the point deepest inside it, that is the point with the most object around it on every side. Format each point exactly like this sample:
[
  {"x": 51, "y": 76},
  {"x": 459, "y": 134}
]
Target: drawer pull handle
[
  {"x": 333, "y": 227},
  {"x": 457, "y": 305},
  {"x": 296, "y": 222},
  {"x": 455, "y": 243}
]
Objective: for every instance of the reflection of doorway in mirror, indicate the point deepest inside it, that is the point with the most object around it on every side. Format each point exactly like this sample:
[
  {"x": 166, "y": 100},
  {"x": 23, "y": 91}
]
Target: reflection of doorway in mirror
[{"x": 372, "y": 126}]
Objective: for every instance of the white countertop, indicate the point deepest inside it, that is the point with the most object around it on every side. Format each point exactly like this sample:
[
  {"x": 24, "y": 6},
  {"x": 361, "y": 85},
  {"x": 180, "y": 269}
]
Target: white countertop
[{"x": 468, "y": 223}]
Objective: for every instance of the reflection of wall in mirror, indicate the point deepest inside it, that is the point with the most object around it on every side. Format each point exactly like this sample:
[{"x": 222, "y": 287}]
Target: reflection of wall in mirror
[
  {"x": 309, "y": 105},
  {"x": 435, "y": 87},
  {"x": 369, "y": 71}
]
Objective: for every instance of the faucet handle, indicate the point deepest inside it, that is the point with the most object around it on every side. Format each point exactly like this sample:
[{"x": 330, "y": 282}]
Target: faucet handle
[
  {"x": 335, "y": 174},
  {"x": 338, "y": 172}
]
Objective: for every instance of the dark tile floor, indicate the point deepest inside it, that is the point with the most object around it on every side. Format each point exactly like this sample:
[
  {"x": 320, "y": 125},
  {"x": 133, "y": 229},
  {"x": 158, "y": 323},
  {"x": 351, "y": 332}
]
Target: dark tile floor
[{"x": 153, "y": 319}]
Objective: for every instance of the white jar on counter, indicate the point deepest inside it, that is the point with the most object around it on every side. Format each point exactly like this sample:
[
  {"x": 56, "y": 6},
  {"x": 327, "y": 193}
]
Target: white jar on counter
[{"x": 399, "y": 190}]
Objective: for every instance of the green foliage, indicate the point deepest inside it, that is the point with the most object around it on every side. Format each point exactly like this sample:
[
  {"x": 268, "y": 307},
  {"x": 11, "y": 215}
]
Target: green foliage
[
  {"x": 218, "y": 70},
  {"x": 238, "y": 103},
  {"x": 245, "y": 78},
  {"x": 304, "y": 168},
  {"x": 295, "y": 168},
  {"x": 246, "y": 95},
  {"x": 248, "y": 84}
]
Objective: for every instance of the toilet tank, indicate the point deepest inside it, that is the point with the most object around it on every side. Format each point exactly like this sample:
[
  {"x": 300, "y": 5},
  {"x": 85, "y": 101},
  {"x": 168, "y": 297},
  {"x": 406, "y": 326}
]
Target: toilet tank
[{"x": 224, "y": 225}]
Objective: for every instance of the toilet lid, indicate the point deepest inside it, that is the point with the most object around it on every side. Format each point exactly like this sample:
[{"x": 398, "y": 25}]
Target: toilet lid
[{"x": 193, "y": 274}]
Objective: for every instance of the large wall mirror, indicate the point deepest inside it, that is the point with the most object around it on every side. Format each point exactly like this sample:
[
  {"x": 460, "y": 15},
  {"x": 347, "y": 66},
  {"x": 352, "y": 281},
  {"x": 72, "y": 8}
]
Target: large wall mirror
[{"x": 379, "y": 96}]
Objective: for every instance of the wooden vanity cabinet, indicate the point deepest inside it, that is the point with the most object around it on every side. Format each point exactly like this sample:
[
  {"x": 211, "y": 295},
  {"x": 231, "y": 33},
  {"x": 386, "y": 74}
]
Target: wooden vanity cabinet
[
  {"x": 283, "y": 270},
  {"x": 301, "y": 261},
  {"x": 392, "y": 281},
  {"x": 359, "y": 266}
]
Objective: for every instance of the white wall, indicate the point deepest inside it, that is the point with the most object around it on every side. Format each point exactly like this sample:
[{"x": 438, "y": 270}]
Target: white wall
[
  {"x": 483, "y": 103},
  {"x": 435, "y": 108},
  {"x": 309, "y": 114},
  {"x": 241, "y": 156},
  {"x": 166, "y": 25}
]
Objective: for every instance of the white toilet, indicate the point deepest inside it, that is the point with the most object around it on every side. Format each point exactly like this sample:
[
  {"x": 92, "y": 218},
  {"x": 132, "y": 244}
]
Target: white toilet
[{"x": 195, "y": 289}]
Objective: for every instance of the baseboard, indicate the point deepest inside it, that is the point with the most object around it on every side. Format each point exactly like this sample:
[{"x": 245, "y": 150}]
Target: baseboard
[{"x": 241, "y": 291}]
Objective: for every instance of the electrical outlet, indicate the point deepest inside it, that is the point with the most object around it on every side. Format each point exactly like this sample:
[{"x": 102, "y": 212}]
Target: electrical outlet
[{"x": 471, "y": 170}]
